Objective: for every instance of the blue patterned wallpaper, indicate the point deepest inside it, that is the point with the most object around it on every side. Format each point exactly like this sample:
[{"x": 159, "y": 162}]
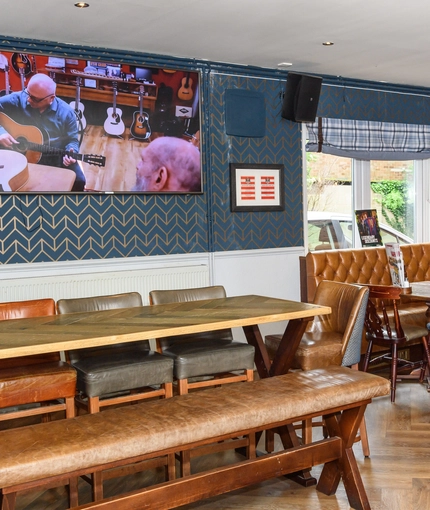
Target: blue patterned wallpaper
[
  {"x": 280, "y": 145},
  {"x": 36, "y": 228}
]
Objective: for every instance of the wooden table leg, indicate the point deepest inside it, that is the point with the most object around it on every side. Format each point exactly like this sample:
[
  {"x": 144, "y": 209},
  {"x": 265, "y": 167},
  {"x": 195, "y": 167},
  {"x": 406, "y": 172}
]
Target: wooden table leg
[
  {"x": 262, "y": 360},
  {"x": 345, "y": 426},
  {"x": 281, "y": 364},
  {"x": 290, "y": 341}
]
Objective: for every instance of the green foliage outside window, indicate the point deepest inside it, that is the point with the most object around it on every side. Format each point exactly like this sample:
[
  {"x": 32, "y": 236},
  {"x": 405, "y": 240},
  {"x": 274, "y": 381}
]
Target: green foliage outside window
[{"x": 397, "y": 208}]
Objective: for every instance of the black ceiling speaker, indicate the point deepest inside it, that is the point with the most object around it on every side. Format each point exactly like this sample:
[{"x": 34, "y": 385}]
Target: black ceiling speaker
[{"x": 301, "y": 97}]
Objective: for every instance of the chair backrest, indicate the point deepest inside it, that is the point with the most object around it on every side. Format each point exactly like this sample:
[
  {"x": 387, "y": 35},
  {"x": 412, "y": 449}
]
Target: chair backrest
[
  {"x": 25, "y": 310},
  {"x": 162, "y": 297},
  {"x": 99, "y": 303},
  {"x": 378, "y": 324},
  {"x": 348, "y": 304}
]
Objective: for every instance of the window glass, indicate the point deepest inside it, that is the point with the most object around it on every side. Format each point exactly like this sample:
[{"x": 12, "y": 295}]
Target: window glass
[
  {"x": 330, "y": 207},
  {"x": 392, "y": 185}
]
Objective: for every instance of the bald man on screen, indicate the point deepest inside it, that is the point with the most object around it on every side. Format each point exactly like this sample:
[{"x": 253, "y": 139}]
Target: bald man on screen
[{"x": 169, "y": 164}]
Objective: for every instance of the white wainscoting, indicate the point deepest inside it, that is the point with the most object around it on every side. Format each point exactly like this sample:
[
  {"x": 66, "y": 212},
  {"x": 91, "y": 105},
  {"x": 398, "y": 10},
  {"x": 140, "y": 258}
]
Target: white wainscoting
[
  {"x": 97, "y": 277},
  {"x": 272, "y": 273}
]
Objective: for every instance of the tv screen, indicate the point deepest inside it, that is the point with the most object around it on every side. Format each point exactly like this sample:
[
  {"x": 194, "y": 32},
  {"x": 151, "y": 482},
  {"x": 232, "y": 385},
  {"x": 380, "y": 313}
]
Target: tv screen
[
  {"x": 107, "y": 116},
  {"x": 143, "y": 75}
]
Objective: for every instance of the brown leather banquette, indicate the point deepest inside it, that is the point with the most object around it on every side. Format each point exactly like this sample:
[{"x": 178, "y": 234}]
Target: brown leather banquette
[{"x": 367, "y": 266}]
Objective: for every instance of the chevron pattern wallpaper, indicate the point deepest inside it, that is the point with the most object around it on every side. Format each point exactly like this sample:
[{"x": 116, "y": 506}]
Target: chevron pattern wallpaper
[
  {"x": 280, "y": 145},
  {"x": 40, "y": 228}
]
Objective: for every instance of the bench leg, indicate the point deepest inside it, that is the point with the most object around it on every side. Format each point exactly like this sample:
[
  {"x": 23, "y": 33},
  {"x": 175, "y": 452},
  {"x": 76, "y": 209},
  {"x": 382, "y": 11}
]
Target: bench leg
[
  {"x": 289, "y": 440},
  {"x": 97, "y": 483},
  {"x": 171, "y": 467},
  {"x": 73, "y": 492},
  {"x": 345, "y": 426},
  {"x": 185, "y": 460},
  {"x": 8, "y": 501}
]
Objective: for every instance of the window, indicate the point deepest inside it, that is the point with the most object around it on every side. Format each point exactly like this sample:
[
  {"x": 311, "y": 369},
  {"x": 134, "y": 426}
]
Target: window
[{"x": 336, "y": 186}]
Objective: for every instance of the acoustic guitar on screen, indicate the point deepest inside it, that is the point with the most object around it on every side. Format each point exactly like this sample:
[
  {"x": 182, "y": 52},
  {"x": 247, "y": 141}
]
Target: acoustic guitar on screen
[
  {"x": 185, "y": 92},
  {"x": 31, "y": 143},
  {"x": 79, "y": 108},
  {"x": 140, "y": 128},
  {"x": 6, "y": 89},
  {"x": 114, "y": 125}
]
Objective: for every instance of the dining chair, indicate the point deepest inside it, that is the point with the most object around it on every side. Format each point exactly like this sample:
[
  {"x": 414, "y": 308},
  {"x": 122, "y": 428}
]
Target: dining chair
[
  {"x": 384, "y": 328},
  {"x": 120, "y": 373},
  {"x": 204, "y": 359},
  {"x": 37, "y": 384},
  {"x": 333, "y": 339},
  {"x": 117, "y": 374}
]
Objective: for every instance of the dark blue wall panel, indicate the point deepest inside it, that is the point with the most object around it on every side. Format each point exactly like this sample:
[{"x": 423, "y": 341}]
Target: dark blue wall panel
[{"x": 74, "y": 227}]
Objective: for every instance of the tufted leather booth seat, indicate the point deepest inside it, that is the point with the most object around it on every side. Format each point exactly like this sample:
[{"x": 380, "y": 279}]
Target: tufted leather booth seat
[{"x": 368, "y": 266}]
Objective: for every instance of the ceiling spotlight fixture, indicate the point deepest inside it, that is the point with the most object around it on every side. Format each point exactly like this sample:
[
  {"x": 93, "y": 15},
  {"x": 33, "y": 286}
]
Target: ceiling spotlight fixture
[
  {"x": 328, "y": 43},
  {"x": 82, "y": 5},
  {"x": 285, "y": 64}
]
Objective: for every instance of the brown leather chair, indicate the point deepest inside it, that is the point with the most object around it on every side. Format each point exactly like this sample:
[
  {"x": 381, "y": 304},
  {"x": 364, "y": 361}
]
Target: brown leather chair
[
  {"x": 333, "y": 339},
  {"x": 38, "y": 384},
  {"x": 204, "y": 359},
  {"x": 384, "y": 328},
  {"x": 118, "y": 373}
]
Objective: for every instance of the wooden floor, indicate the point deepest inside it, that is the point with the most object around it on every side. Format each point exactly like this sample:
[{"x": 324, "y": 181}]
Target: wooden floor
[
  {"x": 396, "y": 476},
  {"x": 122, "y": 155}
]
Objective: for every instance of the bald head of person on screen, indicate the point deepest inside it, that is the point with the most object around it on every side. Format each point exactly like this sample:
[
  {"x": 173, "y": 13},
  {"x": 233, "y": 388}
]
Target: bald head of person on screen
[{"x": 169, "y": 164}]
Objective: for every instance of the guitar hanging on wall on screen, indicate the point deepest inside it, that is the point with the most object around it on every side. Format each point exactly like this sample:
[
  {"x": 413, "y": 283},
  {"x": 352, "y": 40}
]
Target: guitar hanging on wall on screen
[
  {"x": 185, "y": 92},
  {"x": 114, "y": 125},
  {"x": 33, "y": 144},
  {"x": 6, "y": 90},
  {"x": 140, "y": 128},
  {"x": 79, "y": 108},
  {"x": 21, "y": 61},
  {"x": 22, "y": 76}
]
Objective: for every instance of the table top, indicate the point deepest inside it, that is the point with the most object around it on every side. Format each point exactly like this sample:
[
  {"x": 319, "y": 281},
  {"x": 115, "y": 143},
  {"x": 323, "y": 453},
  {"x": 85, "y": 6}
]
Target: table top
[{"x": 21, "y": 337}]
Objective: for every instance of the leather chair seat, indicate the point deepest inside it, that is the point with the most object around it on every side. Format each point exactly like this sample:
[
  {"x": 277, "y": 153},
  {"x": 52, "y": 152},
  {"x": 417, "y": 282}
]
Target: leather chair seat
[
  {"x": 208, "y": 357},
  {"x": 316, "y": 349},
  {"x": 27, "y": 384},
  {"x": 109, "y": 374},
  {"x": 112, "y": 374}
]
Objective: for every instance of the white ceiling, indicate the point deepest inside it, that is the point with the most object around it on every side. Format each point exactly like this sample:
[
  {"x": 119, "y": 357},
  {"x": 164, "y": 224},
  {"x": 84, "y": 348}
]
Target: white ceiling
[{"x": 378, "y": 40}]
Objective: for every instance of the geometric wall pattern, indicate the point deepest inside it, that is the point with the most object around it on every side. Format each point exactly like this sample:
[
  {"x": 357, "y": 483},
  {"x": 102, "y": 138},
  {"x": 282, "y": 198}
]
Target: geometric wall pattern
[
  {"x": 44, "y": 228},
  {"x": 39, "y": 228},
  {"x": 280, "y": 145}
]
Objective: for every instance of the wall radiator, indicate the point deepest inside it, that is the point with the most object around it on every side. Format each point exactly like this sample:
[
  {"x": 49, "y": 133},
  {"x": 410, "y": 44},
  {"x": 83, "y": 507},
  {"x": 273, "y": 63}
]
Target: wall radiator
[{"x": 105, "y": 282}]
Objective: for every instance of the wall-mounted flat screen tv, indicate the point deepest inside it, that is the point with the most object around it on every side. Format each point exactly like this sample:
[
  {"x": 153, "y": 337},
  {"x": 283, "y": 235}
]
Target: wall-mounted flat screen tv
[{"x": 86, "y": 126}]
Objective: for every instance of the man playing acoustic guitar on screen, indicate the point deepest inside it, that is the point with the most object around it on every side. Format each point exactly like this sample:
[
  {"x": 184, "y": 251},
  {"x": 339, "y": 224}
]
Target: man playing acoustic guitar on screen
[{"x": 38, "y": 107}]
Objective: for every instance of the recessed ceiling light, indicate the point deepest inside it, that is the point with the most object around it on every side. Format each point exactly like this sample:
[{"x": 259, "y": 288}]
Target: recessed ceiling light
[
  {"x": 82, "y": 5},
  {"x": 285, "y": 64},
  {"x": 328, "y": 43}
]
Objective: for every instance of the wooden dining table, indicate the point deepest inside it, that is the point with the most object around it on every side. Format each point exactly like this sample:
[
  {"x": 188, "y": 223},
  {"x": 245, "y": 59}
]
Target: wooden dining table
[{"x": 40, "y": 335}]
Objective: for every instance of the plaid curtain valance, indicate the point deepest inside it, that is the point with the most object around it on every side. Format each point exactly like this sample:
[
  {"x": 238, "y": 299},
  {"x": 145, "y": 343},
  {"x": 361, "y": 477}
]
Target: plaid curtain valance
[{"x": 369, "y": 140}]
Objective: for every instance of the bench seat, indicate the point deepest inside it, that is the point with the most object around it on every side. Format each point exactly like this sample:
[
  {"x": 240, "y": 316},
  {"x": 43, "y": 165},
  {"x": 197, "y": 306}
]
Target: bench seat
[{"x": 88, "y": 443}]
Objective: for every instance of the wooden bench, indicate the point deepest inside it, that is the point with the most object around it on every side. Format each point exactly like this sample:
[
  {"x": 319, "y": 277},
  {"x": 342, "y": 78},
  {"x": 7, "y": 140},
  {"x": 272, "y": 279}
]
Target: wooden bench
[{"x": 58, "y": 452}]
